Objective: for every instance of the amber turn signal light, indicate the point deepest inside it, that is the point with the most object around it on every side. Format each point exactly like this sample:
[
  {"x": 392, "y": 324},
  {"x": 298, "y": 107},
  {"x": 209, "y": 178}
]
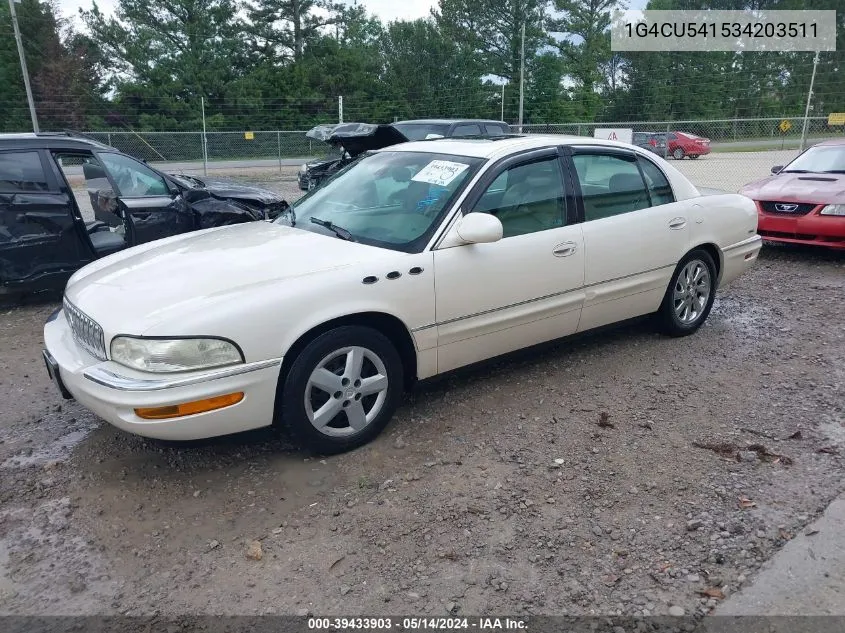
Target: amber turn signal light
[{"x": 189, "y": 408}]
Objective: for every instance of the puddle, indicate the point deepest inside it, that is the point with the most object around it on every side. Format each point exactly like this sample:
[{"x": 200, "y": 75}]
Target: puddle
[
  {"x": 56, "y": 451},
  {"x": 834, "y": 430},
  {"x": 741, "y": 317},
  {"x": 7, "y": 587}
]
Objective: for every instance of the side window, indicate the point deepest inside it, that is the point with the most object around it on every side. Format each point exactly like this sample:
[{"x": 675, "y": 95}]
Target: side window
[
  {"x": 133, "y": 179},
  {"x": 100, "y": 196},
  {"x": 469, "y": 129},
  {"x": 22, "y": 172},
  {"x": 610, "y": 185},
  {"x": 526, "y": 198},
  {"x": 495, "y": 129},
  {"x": 658, "y": 186}
]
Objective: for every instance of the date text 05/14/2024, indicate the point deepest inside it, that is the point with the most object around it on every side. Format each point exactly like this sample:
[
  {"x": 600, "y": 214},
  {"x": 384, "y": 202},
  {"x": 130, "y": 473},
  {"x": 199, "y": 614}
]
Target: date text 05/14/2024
[{"x": 416, "y": 624}]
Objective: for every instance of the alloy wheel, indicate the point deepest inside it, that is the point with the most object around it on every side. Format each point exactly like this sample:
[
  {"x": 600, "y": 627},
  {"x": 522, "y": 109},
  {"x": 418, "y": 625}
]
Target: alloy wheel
[
  {"x": 691, "y": 292},
  {"x": 346, "y": 391}
]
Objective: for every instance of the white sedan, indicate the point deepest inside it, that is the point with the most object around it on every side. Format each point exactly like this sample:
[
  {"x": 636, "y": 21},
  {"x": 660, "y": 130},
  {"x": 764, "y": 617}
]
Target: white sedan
[{"x": 411, "y": 262}]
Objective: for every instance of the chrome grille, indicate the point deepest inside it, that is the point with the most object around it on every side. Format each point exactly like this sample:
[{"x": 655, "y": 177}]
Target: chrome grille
[
  {"x": 787, "y": 208},
  {"x": 85, "y": 331}
]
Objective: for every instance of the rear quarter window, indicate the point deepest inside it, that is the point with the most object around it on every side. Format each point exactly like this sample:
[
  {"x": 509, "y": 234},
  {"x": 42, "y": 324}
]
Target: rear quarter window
[{"x": 22, "y": 172}]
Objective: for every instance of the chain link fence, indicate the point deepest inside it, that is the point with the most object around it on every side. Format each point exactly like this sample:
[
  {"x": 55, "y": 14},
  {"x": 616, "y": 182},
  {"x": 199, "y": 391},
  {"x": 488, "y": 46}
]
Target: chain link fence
[
  {"x": 729, "y": 154},
  {"x": 178, "y": 147}
]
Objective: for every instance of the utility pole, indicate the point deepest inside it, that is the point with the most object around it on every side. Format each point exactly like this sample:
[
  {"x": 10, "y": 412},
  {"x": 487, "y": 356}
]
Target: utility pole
[
  {"x": 23, "y": 66},
  {"x": 503, "y": 102},
  {"x": 340, "y": 109},
  {"x": 809, "y": 98},
  {"x": 522, "y": 78}
]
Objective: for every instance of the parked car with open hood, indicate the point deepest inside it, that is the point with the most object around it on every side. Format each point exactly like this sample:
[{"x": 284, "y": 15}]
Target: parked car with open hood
[
  {"x": 44, "y": 234},
  {"x": 804, "y": 202},
  {"x": 349, "y": 140},
  {"x": 414, "y": 261}
]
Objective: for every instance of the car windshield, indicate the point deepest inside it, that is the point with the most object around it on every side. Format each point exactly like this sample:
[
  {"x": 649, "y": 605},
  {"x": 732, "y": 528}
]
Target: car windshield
[
  {"x": 388, "y": 199},
  {"x": 820, "y": 159},
  {"x": 422, "y": 131}
]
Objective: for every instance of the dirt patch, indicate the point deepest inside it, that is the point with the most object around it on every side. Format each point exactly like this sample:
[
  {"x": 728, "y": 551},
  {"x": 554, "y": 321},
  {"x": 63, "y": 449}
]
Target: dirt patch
[{"x": 564, "y": 480}]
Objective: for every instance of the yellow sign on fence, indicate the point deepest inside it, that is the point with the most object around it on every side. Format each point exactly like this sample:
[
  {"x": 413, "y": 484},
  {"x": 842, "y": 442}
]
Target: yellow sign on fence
[
  {"x": 250, "y": 136},
  {"x": 836, "y": 118},
  {"x": 785, "y": 126}
]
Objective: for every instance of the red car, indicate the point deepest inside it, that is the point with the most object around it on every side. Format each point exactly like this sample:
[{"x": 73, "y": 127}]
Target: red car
[
  {"x": 804, "y": 202},
  {"x": 682, "y": 144}
]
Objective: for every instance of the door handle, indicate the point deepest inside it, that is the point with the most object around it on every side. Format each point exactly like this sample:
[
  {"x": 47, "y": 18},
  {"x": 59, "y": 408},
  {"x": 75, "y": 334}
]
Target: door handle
[
  {"x": 677, "y": 223},
  {"x": 565, "y": 250}
]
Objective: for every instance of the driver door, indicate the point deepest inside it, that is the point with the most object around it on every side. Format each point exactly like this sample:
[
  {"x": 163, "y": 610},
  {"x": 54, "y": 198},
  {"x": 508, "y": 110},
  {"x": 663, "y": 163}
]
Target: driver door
[
  {"x": 151, "y": 207},
  {"x": 526, "y": 288}
]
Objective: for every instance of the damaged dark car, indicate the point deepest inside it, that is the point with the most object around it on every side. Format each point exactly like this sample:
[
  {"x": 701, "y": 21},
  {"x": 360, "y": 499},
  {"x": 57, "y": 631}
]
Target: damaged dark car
[
  {"x": 66, "y": 201},
  {"x": 350, "y": 140}
]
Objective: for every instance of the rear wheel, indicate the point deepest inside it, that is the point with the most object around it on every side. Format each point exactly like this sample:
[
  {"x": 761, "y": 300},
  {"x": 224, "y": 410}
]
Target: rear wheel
[
  {"x": 690, "y": 295},
  {"x": 342, "y": 389},
  {"x": 678, "y": 153}
]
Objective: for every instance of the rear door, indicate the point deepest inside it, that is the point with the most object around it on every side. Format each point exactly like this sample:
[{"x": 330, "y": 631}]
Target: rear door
[
  {"x": 634, "y": 233},
  {"x": 151, "y": 205},
  {"x": 40, "y": 238}
]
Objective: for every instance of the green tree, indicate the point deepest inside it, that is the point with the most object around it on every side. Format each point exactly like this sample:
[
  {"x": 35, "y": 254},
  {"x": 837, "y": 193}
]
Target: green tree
[
  {"x": 585, "y": 49},
  {"x": 283, "y": 28},
  {"x": 166, "y": 55},
  {"x": 490, "y": 33},
  {"x": 426, "y": 74},
  {"x": 63, "y": 69}
]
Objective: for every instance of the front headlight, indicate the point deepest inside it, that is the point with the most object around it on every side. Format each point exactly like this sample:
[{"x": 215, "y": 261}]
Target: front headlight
[
  {"x": 833, "y": 209},
  {"x": 172, "y": 355},
  {"x": 304, "y": 168}
]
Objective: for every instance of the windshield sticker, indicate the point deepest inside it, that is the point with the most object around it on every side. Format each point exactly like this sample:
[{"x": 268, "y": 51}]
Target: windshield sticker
[
  {"x": 440, "y": 172},
  {"x": 429, "y": 137}
]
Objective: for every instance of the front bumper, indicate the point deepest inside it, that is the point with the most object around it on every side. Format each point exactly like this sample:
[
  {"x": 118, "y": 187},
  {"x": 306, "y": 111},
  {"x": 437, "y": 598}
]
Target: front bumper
[
  {"x": 303, "y": 180},
  {"x": 113, "y": 392},
  {"x": 812, "y": 228}
]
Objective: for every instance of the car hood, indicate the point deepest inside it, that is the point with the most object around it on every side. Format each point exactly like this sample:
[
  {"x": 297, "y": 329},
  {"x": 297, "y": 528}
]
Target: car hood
[
  {"x": 223, "y": 188},
  {"x": 357, "y": 138},
  {"x": 169, "y": 279},
  {"x": 810, "y": 188}
]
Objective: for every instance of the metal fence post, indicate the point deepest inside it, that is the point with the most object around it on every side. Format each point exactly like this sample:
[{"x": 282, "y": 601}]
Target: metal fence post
[
  {"x": 809, "y": 99},
  {"x": 109, "y": 141},
  {"x": 204, "y": 140},
  {"x": 279, "y": 146}
]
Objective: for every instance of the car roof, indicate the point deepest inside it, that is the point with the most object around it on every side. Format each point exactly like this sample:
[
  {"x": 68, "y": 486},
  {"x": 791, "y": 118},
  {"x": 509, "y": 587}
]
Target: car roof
[
  {"x": 445, "y": 121},
  {"x": 50, "y": 140},
  {"x": 833, "y": 141},
  {"x": 499, "y": 147}
]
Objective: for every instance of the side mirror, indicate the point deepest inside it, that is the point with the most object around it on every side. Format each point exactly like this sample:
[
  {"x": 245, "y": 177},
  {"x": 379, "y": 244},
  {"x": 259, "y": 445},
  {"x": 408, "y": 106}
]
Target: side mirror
[
  {"x": 480, "y": 228},
  {"x": 777, "y": 169}
]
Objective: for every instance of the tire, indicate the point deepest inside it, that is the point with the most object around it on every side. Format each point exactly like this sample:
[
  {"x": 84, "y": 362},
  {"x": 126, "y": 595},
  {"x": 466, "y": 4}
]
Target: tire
[
  {"x": 300, "y": 399},
  {"x": 693, "y": 156},
  {"x": 682, "y": 313},
  {"x": 678, "y": 153}
]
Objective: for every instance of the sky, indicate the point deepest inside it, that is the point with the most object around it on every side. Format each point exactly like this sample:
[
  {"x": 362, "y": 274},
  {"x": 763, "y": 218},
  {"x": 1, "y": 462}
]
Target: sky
[{"x": 387, "y": 10}]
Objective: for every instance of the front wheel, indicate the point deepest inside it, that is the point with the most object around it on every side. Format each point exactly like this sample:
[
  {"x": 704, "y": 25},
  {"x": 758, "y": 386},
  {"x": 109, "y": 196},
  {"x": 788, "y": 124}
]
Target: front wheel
[
  {"x": 342, "y": 389},
  {"x": 678, "y": 153},
  {"x": 690, "y": 295}
]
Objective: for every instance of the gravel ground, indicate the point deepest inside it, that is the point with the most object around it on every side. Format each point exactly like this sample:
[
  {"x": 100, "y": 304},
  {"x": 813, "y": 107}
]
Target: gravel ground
[{"x": 571, "y": 479}]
